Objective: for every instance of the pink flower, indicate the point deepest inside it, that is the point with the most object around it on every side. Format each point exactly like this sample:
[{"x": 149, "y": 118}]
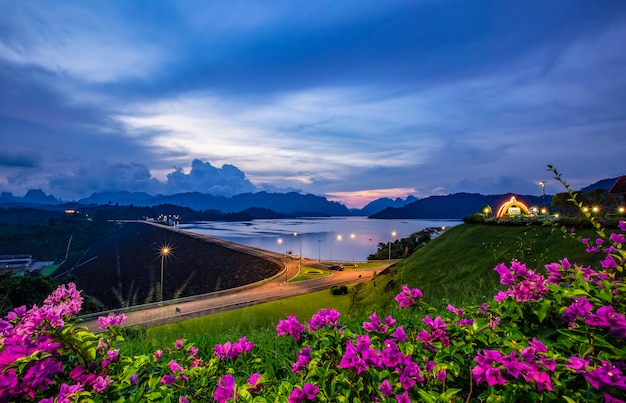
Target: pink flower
[
  {"x": 308, "y": 392},
  {"x": 253, "y": 380},
  {"x": 622, "y": 225},
  {"x": 290, "y": 326},
  {"x": 225, "y": 389},
  {"x": 105, "y": 322},
  {"x": 174, "y": 366},
  {"x": 408, "y": 296},
  {"x": 324, "y": 317},
  {"x": 101, "y": 384},
  {"x": 385, "y": 388},
  {"x": 617, "y": 238}
]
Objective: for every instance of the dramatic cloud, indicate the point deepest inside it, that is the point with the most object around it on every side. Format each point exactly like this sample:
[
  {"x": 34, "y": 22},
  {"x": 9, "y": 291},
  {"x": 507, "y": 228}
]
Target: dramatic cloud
[
  {"x": 346, "y": 99},
  {"x": 205, "y": 178}
]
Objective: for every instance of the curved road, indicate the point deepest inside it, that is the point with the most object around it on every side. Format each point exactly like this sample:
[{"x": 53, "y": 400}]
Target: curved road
[{"x": 269, "y": 290}]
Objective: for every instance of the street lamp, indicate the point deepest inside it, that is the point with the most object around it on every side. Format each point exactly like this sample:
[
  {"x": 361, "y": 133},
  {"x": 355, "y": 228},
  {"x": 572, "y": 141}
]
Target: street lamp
[
  {"x": 295, "y": 234},
  {"x": 543, "y": 192},
  {"x": 331, "y": 247},
  {"x": 280, "y": 242},
  {"x": 164, "y": 252},
  {"x": 393, "y": 235},
  {"x": 352, "y": 238}
]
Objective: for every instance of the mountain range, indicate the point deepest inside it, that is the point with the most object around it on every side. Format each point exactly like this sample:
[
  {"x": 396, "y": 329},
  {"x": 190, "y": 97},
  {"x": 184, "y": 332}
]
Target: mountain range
[{"x": 293, "y": 204}]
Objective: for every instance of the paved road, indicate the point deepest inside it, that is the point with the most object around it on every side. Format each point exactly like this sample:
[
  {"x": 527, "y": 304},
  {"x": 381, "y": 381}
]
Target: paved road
[{"x": 268, "y": 290}]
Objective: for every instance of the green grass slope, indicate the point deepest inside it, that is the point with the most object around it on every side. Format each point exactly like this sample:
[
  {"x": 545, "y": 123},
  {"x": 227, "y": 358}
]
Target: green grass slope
[{"x": 457, "y": 267}]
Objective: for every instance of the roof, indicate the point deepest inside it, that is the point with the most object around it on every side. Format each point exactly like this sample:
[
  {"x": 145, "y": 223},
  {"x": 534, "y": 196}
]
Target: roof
[{"x": 620, "y": 186}]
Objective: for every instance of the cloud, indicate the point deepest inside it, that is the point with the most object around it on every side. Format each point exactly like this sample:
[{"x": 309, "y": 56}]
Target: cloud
[
  {"x": 22, "y": 160},
  {"x": 205, "y": 178}
]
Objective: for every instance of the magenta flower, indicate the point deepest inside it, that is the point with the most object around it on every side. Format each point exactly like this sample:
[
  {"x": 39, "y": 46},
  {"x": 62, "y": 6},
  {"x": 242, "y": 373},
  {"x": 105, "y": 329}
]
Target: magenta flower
[
  {"x": 233, "y": 350},
  {"x": 324, "y": 317},
  {"x": 158, "y": 354},
  {"x": 183, "y": 399},
  {"x": 506, "y": 275},
  {"x": 304, "y": 357},
  {"x": 225, "y": 389},
  {"x": 290, "y": 326},
  {"x": 403, "y": 398},
  {"x": 179, "y": 344},
  {"x": 385, "y": 388},
  {"x": 168, "y": 379},
  {"x": 606, "y": 316},
  {"x": 101, "y": 384},
  {"x": 360, "y": 356},
  {"x": 608, "y": 263},
  {"x": 617, "y": 238},
  {"x": 606, "y": 375},
  {"x": 253, "y": 380},
  {"x": 174, "y": 366},
  {"x": 622, "y": 225},
  {"x": 577, "y": 364},
  {"x": 105, "y": 322},
  {"x": 457, "y": 311},
  {"x": 408, "y": 296},
  {"x": 308, "y": 392},
  {"x": 399, "y": 334}
]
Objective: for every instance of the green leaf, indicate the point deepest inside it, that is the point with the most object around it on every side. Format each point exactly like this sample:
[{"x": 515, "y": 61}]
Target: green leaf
[{"x": 541, "y": 309}]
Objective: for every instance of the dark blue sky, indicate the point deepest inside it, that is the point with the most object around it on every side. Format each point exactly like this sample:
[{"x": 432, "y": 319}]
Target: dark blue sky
[{"x": 352, "y": 100}]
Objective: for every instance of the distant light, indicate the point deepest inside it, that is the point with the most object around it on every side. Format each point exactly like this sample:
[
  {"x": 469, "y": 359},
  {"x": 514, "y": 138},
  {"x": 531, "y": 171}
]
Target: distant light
[
  {"x": 443, "y": 228},
  {"x": 596, "y": 209}
]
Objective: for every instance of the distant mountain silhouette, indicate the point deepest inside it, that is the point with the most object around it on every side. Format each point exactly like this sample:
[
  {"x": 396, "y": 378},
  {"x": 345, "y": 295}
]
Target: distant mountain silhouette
[
  {"x": 603, "y": 184},
  {"x": 281, "y": 205},
  {"x": 33, "y": 196},
  {"x": 122, "y": 197},
  {"x": 380, "y": 204},
  {"x": 454, "y": 206}
]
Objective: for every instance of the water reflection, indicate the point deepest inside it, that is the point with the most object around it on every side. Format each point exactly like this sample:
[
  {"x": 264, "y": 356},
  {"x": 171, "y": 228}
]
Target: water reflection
[{"x": 334, "y": 238}]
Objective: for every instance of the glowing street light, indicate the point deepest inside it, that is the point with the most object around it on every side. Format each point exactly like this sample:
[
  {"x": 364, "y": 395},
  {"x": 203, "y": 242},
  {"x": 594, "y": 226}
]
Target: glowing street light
[
  {"x": 352, "y": 237},
  {"x": 295, "y": 235},
  {"x": 543, "y": 191},
  {"x": 339, "y": 237},
  {"x": 393, "y": 235},
  {"x": 164, "y": 252},
  {"x": 280, "y": 242}
]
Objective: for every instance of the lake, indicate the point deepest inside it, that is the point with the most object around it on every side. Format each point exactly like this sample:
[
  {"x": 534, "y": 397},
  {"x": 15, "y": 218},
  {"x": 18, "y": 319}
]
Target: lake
[{"x": 329, "y": 238}]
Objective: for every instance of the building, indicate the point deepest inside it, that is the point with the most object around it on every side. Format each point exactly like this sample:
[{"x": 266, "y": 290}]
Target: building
[{"x": 13, "y": 263}]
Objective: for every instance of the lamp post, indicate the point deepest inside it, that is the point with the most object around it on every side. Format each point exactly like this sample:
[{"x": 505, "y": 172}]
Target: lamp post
[
  {"x": 164, "y": 252},
  {"x": 393, "y": 235},
  {"x": 331, "y": 247},
  {"x": 295, "y": 235},
  {"x": 543, "y": 192},
  {"x": 352, "y": 238},
  {"x": 280, "y": 242},
  {"x": 319, "y": 251}
]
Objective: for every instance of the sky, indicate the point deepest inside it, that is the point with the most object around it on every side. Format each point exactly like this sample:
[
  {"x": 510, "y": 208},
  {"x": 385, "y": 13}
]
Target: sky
[{"x": 351, "y": 100}]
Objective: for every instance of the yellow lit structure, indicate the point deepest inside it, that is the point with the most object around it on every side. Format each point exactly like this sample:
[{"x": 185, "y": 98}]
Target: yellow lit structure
[{"x": 512, "y": 207}]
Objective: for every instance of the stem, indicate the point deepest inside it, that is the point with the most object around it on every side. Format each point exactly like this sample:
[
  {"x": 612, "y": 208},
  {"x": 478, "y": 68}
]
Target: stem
[{"x": 471, "y": 386}]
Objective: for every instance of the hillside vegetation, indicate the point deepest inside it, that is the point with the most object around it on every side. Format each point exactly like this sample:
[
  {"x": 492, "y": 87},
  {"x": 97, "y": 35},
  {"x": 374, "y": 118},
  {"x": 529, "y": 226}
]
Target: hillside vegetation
[{"x": 457, "y": 267}]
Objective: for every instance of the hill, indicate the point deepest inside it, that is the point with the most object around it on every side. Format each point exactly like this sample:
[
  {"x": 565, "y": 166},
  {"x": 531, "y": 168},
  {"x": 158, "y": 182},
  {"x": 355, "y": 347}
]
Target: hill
[
  {"x": 455, "y": 206},
  {"x": 457, "y": 266}
]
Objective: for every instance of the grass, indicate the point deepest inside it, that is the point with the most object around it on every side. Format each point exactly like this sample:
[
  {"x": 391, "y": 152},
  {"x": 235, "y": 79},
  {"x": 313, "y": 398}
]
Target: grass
[
  {"x": 457, "y": 267},
  {"x": 258, "y": 320},
  {"x": 309, "y": 273}
]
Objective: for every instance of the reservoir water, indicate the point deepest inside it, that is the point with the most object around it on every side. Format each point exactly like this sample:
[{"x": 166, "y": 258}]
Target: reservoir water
[{"x": 328, "y": 239}]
